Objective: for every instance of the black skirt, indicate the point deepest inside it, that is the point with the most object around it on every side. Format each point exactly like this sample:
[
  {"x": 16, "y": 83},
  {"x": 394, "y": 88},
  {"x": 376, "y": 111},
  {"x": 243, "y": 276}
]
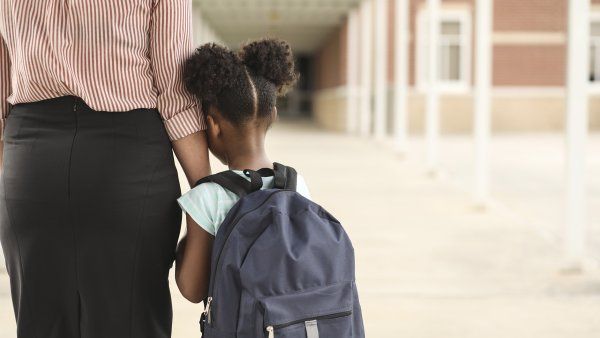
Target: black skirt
[{"x": 88, "y": 220}]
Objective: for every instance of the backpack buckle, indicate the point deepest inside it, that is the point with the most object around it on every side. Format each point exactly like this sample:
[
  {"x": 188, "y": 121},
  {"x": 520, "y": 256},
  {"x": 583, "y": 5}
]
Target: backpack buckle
[
  {"x": 205, "y": 317},
  {"x": 202, "y": 322}
]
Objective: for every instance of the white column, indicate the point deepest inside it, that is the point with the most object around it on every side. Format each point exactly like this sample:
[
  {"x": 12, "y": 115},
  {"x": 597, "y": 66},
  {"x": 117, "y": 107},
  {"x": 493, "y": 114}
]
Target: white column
[
  {"x": 432, "y": 114},
  {"x": 577, "y": 128},
  {"x": 401, "y": 69},
  {"x": 198, "y": 25},
  {"x": 381, "y": 67},
  {"x": 483, "y": 101},
  {"x": 202, "y": 37},
  {"x": 366, "y": 66},
  {"x": 352, "y": 68},
  {"x": 206, "y": 33}
]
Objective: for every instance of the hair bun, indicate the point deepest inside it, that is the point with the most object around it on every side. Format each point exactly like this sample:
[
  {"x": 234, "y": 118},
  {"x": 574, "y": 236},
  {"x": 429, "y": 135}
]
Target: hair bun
[
  {"x": 211, "y": 69},
  {"x": 273, "y": 60}
]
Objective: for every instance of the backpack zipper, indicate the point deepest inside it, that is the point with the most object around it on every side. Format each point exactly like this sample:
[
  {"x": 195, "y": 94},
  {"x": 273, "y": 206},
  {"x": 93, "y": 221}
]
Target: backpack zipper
[
  {"x": 229, "y": 231},
  {"x": 207, "y": 309},
  {"x": 271, "y": 328}
]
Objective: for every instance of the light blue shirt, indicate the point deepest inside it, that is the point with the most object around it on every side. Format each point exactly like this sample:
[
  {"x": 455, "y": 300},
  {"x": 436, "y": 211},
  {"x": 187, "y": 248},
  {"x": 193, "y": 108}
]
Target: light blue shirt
[{"x": 209, "y": 203}]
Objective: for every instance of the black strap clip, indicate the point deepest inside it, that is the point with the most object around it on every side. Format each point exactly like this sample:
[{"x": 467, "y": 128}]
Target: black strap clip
[{"x": 284, "y": 177}]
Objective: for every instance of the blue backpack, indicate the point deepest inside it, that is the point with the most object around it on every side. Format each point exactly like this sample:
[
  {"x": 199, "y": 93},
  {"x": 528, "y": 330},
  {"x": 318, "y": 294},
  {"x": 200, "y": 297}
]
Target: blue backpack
[{"x": 282, "y": 266}]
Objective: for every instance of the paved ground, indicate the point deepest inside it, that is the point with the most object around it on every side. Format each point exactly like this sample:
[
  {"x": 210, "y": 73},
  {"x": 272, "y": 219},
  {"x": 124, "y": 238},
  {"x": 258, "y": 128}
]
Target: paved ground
[
  {"x": 527, "y": 173},
  {"x": 429, "y": 264}
]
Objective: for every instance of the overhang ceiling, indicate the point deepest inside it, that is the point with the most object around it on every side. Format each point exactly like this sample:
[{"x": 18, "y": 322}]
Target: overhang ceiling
[{"x": 304, "y": 23}]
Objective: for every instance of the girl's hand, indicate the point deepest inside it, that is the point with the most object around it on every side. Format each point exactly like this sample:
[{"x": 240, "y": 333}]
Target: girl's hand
[{"x": 192, "y": 269}]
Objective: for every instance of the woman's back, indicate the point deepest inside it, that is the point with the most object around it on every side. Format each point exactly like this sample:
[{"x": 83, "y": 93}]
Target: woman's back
[
  {"x": 115, "y": 55},
  {"x": 88, "y": 219}
]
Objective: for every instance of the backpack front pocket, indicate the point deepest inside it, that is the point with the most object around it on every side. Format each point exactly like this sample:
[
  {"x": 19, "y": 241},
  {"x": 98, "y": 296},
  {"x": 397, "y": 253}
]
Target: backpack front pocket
[{"x": 318, "y": 312}]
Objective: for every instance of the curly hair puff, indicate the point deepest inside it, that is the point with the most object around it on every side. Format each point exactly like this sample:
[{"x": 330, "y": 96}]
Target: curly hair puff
[
  {"x": 273, "y": 60},
  {"x": 245, "y": 85}
]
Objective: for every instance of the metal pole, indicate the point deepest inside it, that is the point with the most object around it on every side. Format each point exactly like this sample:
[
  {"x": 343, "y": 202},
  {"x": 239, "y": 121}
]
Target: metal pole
[
  {"x": 576, "y": 129},
  {"x": 352, "y": 73},
  {"x": 483, "y": 100},
  {"x": 366, "y": 67},
  {"x": 401, "y": 46},
  {"x": 208, "y": 35},
  {"x": 432, "y": 123},
  {"x": 198, "y": 25},
  {"x": 205, "y": 33},
  {"x": 381, "y": 66}
]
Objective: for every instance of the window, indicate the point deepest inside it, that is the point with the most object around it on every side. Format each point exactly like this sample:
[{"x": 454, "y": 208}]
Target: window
[
  {"x": 450, "y": 51},
  {"x": 454, "y": 50},
  {"x": 595, "y": 50}
]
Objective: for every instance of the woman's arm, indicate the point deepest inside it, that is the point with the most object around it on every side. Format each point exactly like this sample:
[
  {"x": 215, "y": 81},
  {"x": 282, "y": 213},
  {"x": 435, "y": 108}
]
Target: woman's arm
[
  {"x": 170, "y": 46},
  {"x": 5, "y": 90},
  {"x": 192, "y": 153}
]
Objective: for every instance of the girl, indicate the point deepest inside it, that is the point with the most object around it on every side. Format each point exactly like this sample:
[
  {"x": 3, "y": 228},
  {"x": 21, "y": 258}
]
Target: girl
[{"x": 239, "y": 94}]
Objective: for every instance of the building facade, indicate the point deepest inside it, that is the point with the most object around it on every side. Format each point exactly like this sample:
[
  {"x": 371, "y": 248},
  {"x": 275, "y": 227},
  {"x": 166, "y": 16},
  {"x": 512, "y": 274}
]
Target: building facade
[{"x": 529, "y": 64}]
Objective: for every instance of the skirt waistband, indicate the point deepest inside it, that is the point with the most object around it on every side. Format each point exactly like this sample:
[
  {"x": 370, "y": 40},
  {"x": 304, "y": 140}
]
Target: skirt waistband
[
  {"x": 66, "y": 102},
  {"x": 69, "y": 113}
]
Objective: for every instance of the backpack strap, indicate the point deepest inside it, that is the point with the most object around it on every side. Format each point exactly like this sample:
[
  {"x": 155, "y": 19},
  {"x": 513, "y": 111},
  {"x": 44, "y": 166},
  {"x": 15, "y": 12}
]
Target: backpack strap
[
  {"x": 234, "y": 182},
  {"x": 285, "y": 177}
]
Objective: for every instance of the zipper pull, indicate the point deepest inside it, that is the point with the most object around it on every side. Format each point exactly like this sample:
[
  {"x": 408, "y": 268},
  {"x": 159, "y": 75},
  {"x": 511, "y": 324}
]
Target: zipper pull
[
  {"x": 207, "y": 310},
  {"x": 271, "y": 332}
]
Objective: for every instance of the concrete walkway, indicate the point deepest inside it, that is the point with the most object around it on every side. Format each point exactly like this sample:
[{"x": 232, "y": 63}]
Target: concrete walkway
[{"x": 429, "y": 264}]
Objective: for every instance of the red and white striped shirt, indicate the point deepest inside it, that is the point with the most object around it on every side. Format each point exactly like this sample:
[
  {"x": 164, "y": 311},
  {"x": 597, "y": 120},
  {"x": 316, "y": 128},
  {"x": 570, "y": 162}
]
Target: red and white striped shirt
[{"x": 117, "y": 55}]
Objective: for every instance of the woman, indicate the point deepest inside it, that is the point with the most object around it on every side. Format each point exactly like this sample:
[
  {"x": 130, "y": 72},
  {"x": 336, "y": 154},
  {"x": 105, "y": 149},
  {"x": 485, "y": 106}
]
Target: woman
[{"x": 88, "y": 213}]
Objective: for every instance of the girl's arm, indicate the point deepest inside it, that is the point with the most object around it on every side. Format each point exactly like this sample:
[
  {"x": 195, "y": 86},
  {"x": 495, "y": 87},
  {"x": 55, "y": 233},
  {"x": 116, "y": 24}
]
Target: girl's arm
[{"x": 192, "y": 270}]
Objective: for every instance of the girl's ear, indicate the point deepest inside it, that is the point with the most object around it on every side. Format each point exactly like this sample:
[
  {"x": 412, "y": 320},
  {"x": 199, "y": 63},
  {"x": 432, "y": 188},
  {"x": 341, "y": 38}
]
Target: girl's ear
[
  {"x": 213, "y": 125},
  {"x": 274, "y": 114}
]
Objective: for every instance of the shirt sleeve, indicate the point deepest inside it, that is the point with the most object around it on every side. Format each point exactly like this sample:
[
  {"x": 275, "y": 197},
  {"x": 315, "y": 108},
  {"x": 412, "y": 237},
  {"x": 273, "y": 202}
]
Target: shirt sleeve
[
  {"x": 302, "y": 188},
  {"x": 5, "y": 87},
  {"x": 170, "y": 45},
  {"x": 200, "y": 204}
]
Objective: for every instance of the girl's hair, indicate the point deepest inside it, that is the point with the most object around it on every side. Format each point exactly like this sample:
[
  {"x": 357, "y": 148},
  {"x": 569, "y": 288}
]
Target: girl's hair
[{"x": 243, "y": 85}]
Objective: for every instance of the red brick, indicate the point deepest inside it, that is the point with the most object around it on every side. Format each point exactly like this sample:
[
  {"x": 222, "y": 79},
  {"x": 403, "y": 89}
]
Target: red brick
[{"x": 529, "y": 65}]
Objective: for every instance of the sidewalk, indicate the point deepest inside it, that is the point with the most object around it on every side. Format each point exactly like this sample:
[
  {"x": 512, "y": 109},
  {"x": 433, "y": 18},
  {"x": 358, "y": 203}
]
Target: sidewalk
[{"x": 429, "y": 265}]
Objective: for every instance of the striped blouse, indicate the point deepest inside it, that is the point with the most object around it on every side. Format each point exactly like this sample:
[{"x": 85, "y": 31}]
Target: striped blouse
[{"x": 115, "y": 55}]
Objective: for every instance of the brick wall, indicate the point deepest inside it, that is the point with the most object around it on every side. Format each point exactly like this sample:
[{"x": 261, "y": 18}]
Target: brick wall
[
  {"x": 516, "y": 65},
  {"x": 531, "y": 64},
  {"x": 330, "y": 61},
  {"x": 530, "y": 15},
  {"x": 529, "y": 51}
]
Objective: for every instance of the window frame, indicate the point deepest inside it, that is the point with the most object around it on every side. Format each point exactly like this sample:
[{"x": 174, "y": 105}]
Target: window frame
[
  {"x": 463, "y": 17},
  {"x": 595, "y": 85}
]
